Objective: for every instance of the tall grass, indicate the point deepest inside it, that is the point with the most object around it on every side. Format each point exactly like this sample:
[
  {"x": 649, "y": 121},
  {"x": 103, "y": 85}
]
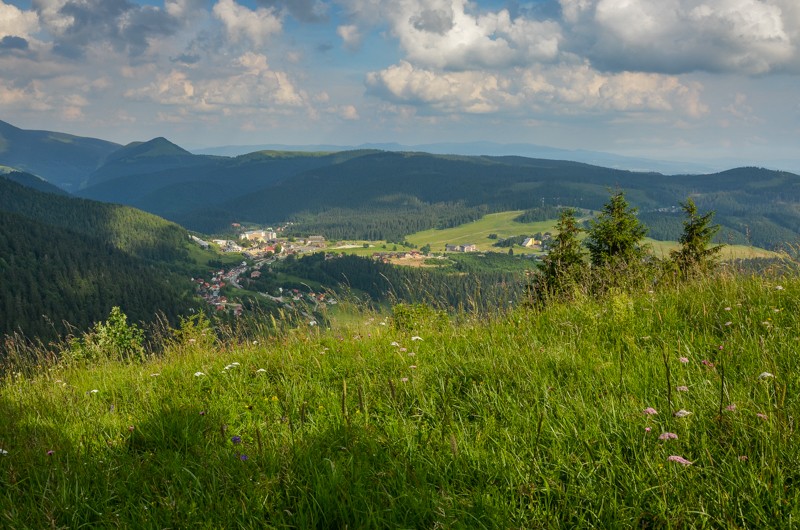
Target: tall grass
[{"x": 534, "y": 419}]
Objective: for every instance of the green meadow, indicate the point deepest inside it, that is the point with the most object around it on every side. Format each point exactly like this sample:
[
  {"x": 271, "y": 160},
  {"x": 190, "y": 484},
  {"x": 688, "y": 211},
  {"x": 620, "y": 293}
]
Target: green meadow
[{"x": 675, "y": 407}]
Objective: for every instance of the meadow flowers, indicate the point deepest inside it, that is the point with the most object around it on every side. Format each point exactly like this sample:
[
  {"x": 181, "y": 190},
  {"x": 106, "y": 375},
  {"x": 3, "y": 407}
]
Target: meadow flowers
[
  {"x": 199, "y": 374},
  {"x": 682, "y": 413},
  {"x": 682, "y": 388},
  {"x": 3, "y": 452},
  {"x": 416, "y": 337},
  {"x": 668, "y": 436},
  {"x": 679, "y": 460},
  {"x": 683, "y": 360},
  {"x": 765, "y": 375},
  {"x": 236, "y": 440},
  {"x": 649, "y": 411}
]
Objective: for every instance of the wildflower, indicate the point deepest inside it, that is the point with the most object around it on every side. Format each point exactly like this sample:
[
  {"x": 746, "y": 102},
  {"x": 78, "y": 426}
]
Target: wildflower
[
  {"x": 199, "y": 374},
  {"x": 668, "y": 436},
  {"x": 403, "y": 350},
  {"x": 707, "y": 363},
  {"x": 234, "y": 363},
  {"x": 255, "y": 343},
  {"x": 404, "y": 379},
  {"x": 50, "y": 452},
  {"x": 131, "y": 428},
  {"x": 274, "y": 398},
  {"x": 682, "y": 388},
  {"x": 779, "y": 287},
  {"x": 260, "y": 371},
  {"x": 731, "y": 407},
  {"x": 192, "y": 340},
  {"x": 679, "y": 460},
  {"x": 743, "y": 458},
  {"x": 155, "y": 375},
  {"x": 647, "y": 429},
  {"x": 202, "y": 413},
  {"x": 395, "y": 344},
  {"x": 649, "y": 411},
  {"x": 765, "y": 375},
  {"x": 312, "y": 323},
  {"x": 93, "y": 391},
  {"x": 243, "y": 457},
  {"x": 415, "y": 337},
  {"x": 727, "y": 309},
  {"x": 411, "y": 354},
  {"x": 683, "y": 360},
  {"x": 3, "y": 452},
  {"x": 413, "y": 367},
  {"x": 236, "y": 440},
  {"x": 762, "y": 416},
  {"x": 728, "y": 323},
  {"x": 682, "y": 413}
]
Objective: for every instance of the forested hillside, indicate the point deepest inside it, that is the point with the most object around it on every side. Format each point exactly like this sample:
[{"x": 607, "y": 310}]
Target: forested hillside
[
  {"x": 132, "y": 231},
  {"x": 54, "y": 279}
]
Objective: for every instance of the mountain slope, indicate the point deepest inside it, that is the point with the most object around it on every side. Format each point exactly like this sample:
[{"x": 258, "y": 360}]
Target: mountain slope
[
  {"x": 63, "y": 159},
  {"x": 132, "y": 231},
  {"x": 55, "y": 280},
  {"x": 141, "y": 158}
]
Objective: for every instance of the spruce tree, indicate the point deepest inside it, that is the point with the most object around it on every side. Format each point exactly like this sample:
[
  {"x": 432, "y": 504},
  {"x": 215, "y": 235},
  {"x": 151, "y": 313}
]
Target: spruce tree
[
  {"x": 564, "y": 263},
  {"x": 615, "y": 237},
  {"x": 695, "y": 254}
]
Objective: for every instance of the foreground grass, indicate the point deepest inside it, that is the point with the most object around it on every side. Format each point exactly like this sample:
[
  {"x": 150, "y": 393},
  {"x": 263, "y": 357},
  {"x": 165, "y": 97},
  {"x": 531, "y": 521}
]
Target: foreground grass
[{"x": 536, "y": 420}]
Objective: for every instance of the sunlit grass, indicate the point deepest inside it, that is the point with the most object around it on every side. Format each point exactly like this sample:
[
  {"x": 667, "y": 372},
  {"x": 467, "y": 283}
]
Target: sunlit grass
[{"x": 535, "y": 419}]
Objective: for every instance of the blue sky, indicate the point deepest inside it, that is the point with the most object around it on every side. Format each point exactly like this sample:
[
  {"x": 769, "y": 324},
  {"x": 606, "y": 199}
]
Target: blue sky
[{"x": 669, "y": 79}]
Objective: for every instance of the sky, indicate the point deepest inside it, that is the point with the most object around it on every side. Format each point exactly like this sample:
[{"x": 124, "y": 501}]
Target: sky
[{"x": 665, "y": 79}]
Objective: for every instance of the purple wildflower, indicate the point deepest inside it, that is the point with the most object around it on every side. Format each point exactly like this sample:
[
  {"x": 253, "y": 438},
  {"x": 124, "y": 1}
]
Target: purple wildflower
[
  {"x": 647, "y": 429},
  {"x": 679, "y": 460},
  {"x": 50, "y": 452},
  {"x": 668, "y": 436},
  {"x": 243, "y": 457},
  {"x": 707, "y": 363},
  {"x": 236, "y": 439}
]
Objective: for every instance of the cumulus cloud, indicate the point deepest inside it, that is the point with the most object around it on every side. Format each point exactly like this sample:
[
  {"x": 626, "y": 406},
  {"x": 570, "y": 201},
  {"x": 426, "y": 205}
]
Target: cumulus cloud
[
  {"x": 350, "y": 35},
  {"x": 17, "y": 23},
  {"x": 450, "y": 34},
  {"x": 257, "y": 25},
  {"x": 550, "y": 90},
  {"x": 252, "y": 85},
  {"x": 303, "y": 10},
  {"x": 678, "y": 36},
  {"x": 76, "y": 25}
]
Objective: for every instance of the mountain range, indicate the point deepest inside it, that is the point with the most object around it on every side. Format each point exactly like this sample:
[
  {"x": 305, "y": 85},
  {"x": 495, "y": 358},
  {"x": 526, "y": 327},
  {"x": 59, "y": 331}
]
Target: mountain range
[{"x": 381, "y": 194}]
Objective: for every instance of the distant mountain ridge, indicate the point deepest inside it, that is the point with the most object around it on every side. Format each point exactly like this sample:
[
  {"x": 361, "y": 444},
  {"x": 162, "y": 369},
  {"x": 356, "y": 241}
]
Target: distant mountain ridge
[
  {"x": 63, "y": 159},
  {"x": 383, "y": 194}
]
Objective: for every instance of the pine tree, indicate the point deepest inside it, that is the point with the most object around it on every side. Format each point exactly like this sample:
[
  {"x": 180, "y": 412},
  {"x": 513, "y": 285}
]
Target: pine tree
[
  {"x": 695, "y": 254},
  {"x": 615, "y": 237},
  {"x": 564, "y": 263}
]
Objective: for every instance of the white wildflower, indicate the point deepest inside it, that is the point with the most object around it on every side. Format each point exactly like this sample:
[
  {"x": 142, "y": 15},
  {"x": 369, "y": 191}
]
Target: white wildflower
[
  {"x": 3, "y": 452},
  {"x": 395, "y": 344},
  {"x": 765, "y": 375},
  {"x": 416, "y": 337},
  {"x": 682, "y": 413},
  {"x": 199, "y": 374},
  {"x": 260, "y": 371}
]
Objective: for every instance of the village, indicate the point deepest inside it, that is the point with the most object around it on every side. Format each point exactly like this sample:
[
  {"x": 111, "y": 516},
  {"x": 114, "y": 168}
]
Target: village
[{"x": 263, "y": 246}]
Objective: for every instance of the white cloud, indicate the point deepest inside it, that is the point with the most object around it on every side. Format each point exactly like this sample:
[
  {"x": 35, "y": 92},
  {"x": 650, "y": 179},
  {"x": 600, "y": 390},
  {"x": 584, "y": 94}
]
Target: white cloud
[
  {"x": 675, "y": 36},
  {"x": 541, "y": 90},
  {"x": 17, "y": 23},
  {"x": 257, "y": 25},
  {"x": 448, "y": 34},
  {"x": 251, "y": 86},
  {"x": 350, "y": 35}
]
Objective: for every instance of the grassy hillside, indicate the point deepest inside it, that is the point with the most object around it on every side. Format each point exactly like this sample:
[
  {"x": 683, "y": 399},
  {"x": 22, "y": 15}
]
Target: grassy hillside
[{"x": 672, "y": 409}]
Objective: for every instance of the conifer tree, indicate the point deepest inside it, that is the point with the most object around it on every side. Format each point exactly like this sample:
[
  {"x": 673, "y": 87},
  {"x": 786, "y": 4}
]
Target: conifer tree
[
  {"x": 564, "y": 263},
  {"x": 695, "y": 254},
  {"x": 615, "y": 237}
]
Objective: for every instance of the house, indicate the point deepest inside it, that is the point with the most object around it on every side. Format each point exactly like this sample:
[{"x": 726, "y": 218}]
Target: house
[
  {"x": 468, "y": 247},
  {"x": 531, "y": 242}
]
